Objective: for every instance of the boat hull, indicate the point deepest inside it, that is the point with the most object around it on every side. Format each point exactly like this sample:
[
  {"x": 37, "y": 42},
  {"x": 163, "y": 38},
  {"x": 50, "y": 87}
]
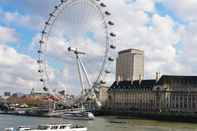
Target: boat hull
[
  {"x": 78, "y": 116},
  {"x": 79, "y": 129},
  {"x": 25, "y": 129}
]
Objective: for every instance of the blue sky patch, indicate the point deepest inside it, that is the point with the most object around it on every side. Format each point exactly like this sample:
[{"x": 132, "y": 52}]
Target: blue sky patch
[{"x": 163, "y": 10}]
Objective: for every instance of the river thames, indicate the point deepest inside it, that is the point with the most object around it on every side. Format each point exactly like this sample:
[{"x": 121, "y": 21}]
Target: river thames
[{"x": 101, "y": 124}]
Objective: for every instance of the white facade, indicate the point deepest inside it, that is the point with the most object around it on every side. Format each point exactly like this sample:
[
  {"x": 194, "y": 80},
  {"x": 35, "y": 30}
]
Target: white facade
[{"x": 130, "y": 65}]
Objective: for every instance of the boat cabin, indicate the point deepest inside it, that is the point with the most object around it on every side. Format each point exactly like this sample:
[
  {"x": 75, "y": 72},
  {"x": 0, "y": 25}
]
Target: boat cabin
[
  {"x": 51, "y": 127},
  {"x": 55, "y": 127}
]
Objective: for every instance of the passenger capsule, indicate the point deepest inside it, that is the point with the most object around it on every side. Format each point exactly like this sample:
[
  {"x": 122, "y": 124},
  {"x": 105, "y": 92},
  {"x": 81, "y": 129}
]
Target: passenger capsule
[
  {"x": 107, "y": 72},
  {"x": 102, "y": 82},
  {"x": 41, "y": 41},
  {"x": 40, "y": 71},
  {"x": 39, "y": 51},
  {"x": 39, "y": 61},
  {"x": 112, "y": 34},
  {"x": 112, "y": 46},
  {"x": 103, "y": 5},
  {"x": 43, "y": 32},
  {"x": 107, "y": 13},
  {"x": 46, "y": 23},
  {"x": 110, "y": 59},
  {"x": 62, "y": 1},
  {"x": 51, "y": 14},
  {"x": 45, "y": 89},
  {"x": 111, "y": 23}
]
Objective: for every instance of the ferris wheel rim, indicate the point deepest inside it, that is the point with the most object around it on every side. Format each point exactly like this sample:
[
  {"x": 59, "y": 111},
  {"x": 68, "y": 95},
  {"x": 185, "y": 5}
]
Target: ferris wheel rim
[{"x": 53, "y": 16}]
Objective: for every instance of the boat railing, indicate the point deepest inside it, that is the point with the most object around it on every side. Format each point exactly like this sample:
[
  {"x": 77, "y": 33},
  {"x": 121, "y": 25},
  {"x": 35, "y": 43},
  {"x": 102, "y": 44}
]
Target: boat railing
[{"x": 9, "y": 129}]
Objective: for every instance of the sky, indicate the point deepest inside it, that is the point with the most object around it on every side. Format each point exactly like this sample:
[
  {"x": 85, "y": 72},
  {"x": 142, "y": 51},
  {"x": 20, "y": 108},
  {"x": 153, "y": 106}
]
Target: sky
[{"x": 166, "y": 30}]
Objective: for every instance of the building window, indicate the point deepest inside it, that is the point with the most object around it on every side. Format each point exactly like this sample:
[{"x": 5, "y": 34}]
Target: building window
[
  {"x": 177, "y": 105},
  {"x": 173, "y": 97},
  {"x": 185, "y": 99},
  {"x": 190, "y": 99},
  {"x": 185, "y": 105},
  {"x": 193, "y": 105},
  {"x": 54, "y": 127},
  {"x": 62, "y": 127},
  {"x": 181, "y": 105}
]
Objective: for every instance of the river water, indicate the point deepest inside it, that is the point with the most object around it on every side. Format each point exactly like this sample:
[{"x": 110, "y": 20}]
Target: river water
[{"x": 101, "y": 124}]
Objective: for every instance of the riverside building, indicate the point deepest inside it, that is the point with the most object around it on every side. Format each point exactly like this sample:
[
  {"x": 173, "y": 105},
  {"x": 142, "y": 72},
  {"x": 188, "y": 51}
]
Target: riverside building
[{"x": 168, "y": 93}]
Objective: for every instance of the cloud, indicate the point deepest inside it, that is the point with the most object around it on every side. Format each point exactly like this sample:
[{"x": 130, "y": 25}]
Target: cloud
[
  {"x": 8, "y": 35},
  {"x": 18, "y": 71},
  {"x": 156, "y": 35},
  {"x": 188, "y": 53},
  {"x": 38, "y": 8},
  {"x": 27, "y": 21},
  {"x": 186, "y": 9}
]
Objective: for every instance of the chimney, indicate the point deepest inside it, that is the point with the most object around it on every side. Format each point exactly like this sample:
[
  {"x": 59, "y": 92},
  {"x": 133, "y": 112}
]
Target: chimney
[
  {"x": 157, "y": 76},
  {"x": 118, "y": 78},
  {"x": 140, "y": 79}
]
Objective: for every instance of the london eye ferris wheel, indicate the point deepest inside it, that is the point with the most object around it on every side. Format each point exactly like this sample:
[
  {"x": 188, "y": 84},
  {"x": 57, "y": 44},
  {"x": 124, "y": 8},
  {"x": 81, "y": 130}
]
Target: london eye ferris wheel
[{"x": 77, "y": 37}]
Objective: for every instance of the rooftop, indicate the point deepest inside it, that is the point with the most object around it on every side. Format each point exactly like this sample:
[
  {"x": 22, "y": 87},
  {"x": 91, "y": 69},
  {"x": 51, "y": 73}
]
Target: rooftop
[
  {"x": 150, "y": 83},
  {"x": 135, "y": 84},
  {"x": 191, "y": 79},
  {"x": 130, "y": 50}
]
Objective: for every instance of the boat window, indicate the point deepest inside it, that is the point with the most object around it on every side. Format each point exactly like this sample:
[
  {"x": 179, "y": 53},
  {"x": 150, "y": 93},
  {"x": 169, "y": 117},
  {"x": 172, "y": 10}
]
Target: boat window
[
  {"x": 62, "y": 127},
  {"x": 76, "y": 126},
  {"x": 54, "y": 127},
  {"x": 43, "y": 127}
]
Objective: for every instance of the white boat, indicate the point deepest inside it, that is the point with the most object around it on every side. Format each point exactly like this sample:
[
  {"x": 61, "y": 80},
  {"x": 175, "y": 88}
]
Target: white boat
[
  {"x": 78, "y": 115},
  {"x": 52, "y": 127}
]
